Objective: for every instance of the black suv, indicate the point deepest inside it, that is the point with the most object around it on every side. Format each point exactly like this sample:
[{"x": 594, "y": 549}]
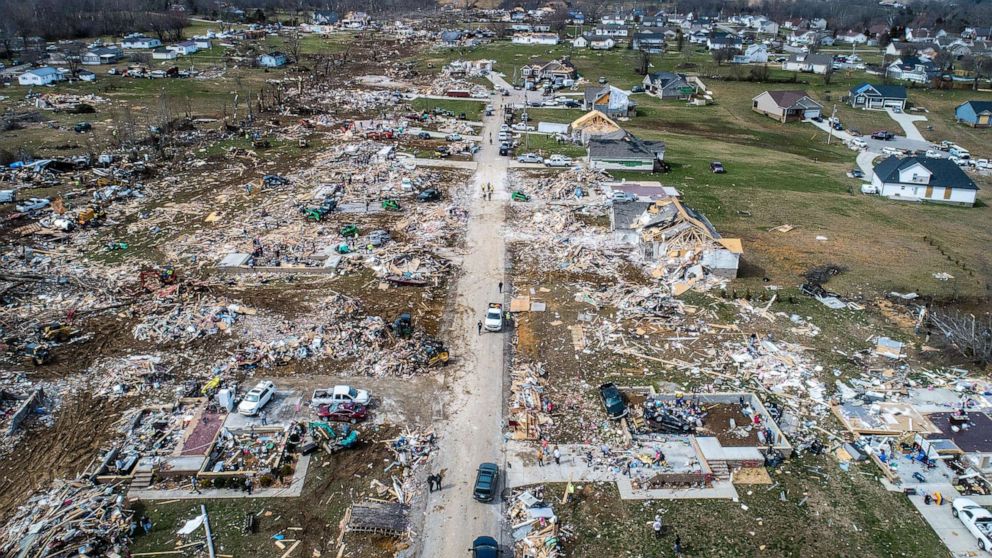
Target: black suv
[{"x": 486, "y": 482}]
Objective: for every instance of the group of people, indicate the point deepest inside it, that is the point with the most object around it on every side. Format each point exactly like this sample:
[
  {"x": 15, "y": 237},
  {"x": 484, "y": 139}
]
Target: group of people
[
  {"x": 434, "y": 482},
  {"x": 542, "y": 451},
  {"x": 657, "y": 526},
  {"x": 487, "y": 191}
]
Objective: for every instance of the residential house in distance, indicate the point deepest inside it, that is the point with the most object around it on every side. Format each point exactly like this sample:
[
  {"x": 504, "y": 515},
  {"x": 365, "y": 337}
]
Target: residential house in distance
[
  {"x": 356, "y": 20},
  {"x": 535, "y": 39},
  {"x": 809, "y": 63},
  {"x": 450, "y": 38},
  {"x": 184, "y": 48},
  {"x": 582, "y": 41},
  {"x": 614, "y": 19},
  {"x": 599, "y": 42},
  {"x": 668, "y": 85},
  {"x": 977, "y": 114},
  {"x": 609, "y": 100},
  {"x": 202, "y": 43},
  {"x": 273, "y": 59},
  {"x": 897, "y": 48},
  {"x": 140, "y": 42},
  {"x": 102, "y": 55},
  {"x": 40, "y": 76},
  {"x": 818, "y": 24},
  {"x": 324, "y": 17},
  {"x": 923, "y": 179},
  {"x": 756, "y": 53},
  {"x": 611, "y": 31},
  {"x": 786, "y": 106},
  {"x": 649, "y": 42},
  {"x": 576, "y": 17},
  {"x": 558, "y": 72},
  {"x": 912, "y": 68},
  {"x": 628, "y": 153},
  {"x": 163, "y": 53},
  {"x": 86, "y": 75},
  {"x": 852, "y": 38},
  {"x": 877, "y": 97},
  {"x": 722, "y": 41}
]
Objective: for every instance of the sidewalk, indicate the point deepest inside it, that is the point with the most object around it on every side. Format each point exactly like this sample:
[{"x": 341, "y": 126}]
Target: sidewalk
[{"x": 294, "y": 489}]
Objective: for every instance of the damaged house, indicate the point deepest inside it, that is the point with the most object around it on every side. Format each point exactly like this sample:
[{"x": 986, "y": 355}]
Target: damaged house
[
  {"x": 628, "y": 153},
  {"x": 609, "y": 100},
  {"x": 686, "y": 248}
]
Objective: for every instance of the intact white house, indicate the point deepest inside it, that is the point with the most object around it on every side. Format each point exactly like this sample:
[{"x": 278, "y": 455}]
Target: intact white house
[
  {"x": 140, "y": 41},
  {"x": 39, "y": 76},
  {"x": 923, "y": 179},
  {"x": 535, "y": 39},
  {"x": 184, "y": 48}
]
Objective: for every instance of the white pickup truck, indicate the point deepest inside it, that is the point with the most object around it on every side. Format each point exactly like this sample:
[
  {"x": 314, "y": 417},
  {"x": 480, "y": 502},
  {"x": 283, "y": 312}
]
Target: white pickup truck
[
  {"x": 494, "y": 317},
  {"x": 976, "y": 519},
  {"x": 558, "y": 161},
  {"x": 339, "y": 394}
]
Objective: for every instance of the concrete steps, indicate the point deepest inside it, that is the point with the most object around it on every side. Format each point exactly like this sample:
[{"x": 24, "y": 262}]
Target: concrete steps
[
  {"x": 720, "y": 469},
  {"x": 142, "y": 479}
]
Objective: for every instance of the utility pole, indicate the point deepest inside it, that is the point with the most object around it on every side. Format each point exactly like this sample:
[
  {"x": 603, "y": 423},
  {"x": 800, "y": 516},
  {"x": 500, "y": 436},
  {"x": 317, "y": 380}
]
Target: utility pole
[{"x": 830, "y": 124}]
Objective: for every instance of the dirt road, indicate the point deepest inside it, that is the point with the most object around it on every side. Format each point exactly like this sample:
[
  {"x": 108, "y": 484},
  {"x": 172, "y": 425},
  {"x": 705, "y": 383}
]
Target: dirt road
[{"x": 472, "y": 433}]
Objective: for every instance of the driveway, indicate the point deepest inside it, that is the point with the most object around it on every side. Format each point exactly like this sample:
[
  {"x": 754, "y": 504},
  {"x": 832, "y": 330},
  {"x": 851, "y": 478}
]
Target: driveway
[
  {"x": 472, "y": 433},
  {"x": 907, "y": 122},
  {"x": 898, "y": 142},
  {"x": 951, "y": 531}
]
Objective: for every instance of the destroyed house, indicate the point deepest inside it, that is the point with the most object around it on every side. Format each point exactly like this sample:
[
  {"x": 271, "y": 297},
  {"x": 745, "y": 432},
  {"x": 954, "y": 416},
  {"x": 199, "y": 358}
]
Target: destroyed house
[
  {"x": 668, "y": 230},
  {"x": 628, "y": 153},
  {"x": 556, "y": 71},
  {"x": 966, "y": 434},
  {"x": 609, "y": 100}
]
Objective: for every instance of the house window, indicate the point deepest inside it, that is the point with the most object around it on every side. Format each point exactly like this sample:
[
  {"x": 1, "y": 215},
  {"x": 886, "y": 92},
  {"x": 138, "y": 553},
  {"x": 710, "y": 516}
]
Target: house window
[{"x": 755, "y": 104}]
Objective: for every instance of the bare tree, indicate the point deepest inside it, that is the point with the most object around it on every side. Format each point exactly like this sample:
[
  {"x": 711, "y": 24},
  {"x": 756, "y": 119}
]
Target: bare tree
[
  {"x": 721, "y": 55},
  {"x": 828, "y": 75},
  {"x": 292, "y": 42},
  {"x": 967, "y": 334}
]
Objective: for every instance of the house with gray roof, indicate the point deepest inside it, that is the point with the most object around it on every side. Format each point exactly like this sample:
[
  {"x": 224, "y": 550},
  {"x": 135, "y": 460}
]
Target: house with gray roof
[
  {"x": 809, "y": 63},
  {"x": 874, "y": 96},
  {"x": 923, "y": 179},
  {"x": 668, "y": 85},
  {"x": 628, "y": 153},
  {"x": 786, "y": 106}
]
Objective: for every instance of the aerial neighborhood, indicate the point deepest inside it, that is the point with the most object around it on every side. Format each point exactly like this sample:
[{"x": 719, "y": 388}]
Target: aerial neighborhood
[{"x": 534, "y": 279}]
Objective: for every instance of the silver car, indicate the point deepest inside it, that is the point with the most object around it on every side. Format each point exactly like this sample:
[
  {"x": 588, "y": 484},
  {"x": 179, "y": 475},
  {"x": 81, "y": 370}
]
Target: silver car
[{"x": 530, "y": 158}]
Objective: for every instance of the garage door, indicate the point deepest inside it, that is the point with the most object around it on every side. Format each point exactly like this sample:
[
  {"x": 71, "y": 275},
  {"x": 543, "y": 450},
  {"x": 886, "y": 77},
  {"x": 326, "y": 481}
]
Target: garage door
[
  {"x": 811, "y": 113},
  {"x": 893, "y": 103}
]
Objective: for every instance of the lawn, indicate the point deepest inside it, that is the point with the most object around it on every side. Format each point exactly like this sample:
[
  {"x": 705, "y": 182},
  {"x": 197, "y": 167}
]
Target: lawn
[
  {"x": 472, "y": 108},
  {"x": 546, "y": 145},
  {"x": 813, "y": 509}
]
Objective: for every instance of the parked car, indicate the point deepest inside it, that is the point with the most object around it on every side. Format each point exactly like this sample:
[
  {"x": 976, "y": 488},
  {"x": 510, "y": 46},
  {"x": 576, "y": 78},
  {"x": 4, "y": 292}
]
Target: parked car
[
  {"x": 504, "y": 149},
  {"x": 855, "y": 173},
  {"x": 637, "y": 89},
  {"x": 882, "y": 135},
  {"x": 8, "y": 196},
  {"x": 976, "y": 519},
  {"x": 534, "y": 104},
  {"x": 494, "y": 317},
  {"x": 619, "y": 196},
  {"x": 257, "y": 398},
  {"x": 571, "y": 103},
  {"x": 83, "y": 127},
  {"x": 521, "y": 127},
  {"x": 933, "y": 153},
  {"x": 339, "y": 394},
  {"x": 602, "y": 79},
  {"x": 897, "y": 110},
  {"x": 429, "y": 195},
  {"x": 486, "y": 482},
  {"x": 983, "y": 164},
  {"x": 504, "y": 136},
  {"x": 836, "y": 126},
  {"x": 817, "y": 119},
  {"x": 424, "y": 135},
  {"x": 32, "y": 204},
  {"x": 484, "y": 547},
  {"x": 558, "y": 161},
  {"x": 959, "y": 161},
  {"x": 530, "y": 158},
  {"x": 616, "y": 407},
  {"x": 717, "y": 167},
  {"x": 453, "y": 137},
  {"x": 504, "y": 128},
  {"x": 858, "y": 143},
  {"x": 549, "y": 103},
  {"x": 343, "y": 412}
]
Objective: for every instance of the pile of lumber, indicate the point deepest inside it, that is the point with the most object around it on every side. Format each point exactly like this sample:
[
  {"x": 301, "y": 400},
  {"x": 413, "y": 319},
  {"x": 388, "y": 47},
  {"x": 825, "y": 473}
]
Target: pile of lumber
[{"x": 72, "y": 518}]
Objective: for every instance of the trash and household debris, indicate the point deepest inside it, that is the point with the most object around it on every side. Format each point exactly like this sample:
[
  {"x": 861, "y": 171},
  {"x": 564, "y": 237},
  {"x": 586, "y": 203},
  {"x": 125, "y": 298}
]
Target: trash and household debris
[{"x": 534, "y": 525}]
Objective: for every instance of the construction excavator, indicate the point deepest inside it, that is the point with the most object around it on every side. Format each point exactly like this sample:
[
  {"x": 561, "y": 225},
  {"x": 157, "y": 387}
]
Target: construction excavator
[
  {"x": 390, "y": 204},
  {"x": 320, "y": 212},
  {"x": 436, "y": 353},
  {"x": 58, "y": 332},
  {"x": 332, "y": 441},
  {"x": 520, "y": 196}
]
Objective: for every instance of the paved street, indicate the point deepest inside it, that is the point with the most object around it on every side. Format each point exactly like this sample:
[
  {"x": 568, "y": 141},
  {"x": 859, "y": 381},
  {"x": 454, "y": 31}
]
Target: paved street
[{"x": 473, "y": 433}]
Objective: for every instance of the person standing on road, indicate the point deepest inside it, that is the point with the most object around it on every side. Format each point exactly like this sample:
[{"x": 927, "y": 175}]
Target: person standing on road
[
  {"x": 479, "y": 325},
  {"x": 438, "y": 478},
  {"x": 249, "y": 485},
  {"x": 540, "y": 457},
  {"x": 500, "y": 287},
  {"x": 193, "y": 485},
  {"x": 557, "y": 455}
]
